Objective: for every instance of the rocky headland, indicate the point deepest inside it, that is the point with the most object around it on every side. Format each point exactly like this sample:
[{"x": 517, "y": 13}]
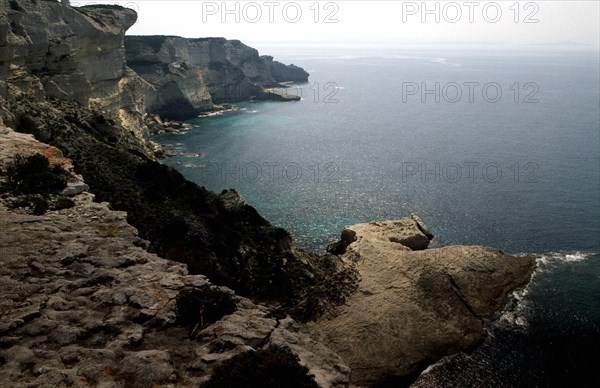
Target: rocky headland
[
  {"x": 189, "y": 76},
  {"x": 115, "y": 270},
  {"x": 413, "y": 305}
]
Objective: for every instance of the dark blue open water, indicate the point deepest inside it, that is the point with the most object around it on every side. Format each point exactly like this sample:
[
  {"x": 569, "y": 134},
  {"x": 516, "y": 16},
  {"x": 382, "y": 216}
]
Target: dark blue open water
[{"x": 520, "y": 172}]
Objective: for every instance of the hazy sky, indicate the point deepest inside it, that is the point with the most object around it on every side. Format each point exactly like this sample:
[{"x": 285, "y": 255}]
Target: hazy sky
[{"x": 359, "y": 21}]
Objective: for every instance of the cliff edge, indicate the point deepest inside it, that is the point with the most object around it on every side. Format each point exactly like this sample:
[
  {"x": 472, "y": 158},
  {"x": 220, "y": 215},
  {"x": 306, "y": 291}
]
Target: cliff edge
[
  {"x": 51, "y": 51},
  {"x": 83, "y": 303},
  {"x": 98, "y": 125},
  {"x": 63, "y": 52}
]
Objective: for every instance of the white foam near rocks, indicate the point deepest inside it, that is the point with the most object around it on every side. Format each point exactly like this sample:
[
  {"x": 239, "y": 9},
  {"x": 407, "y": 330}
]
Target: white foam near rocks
[
  {"x": 554, "y": 258},
  {"x": 519, "y": 309}
]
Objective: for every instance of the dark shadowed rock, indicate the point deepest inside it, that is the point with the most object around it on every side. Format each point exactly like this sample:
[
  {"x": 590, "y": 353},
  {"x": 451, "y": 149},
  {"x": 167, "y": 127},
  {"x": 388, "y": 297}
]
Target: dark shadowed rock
[{"x": 347, "y": 237}]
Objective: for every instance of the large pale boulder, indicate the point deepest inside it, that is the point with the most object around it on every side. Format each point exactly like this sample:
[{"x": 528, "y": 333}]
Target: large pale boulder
[{"x": 414, "y": 305}]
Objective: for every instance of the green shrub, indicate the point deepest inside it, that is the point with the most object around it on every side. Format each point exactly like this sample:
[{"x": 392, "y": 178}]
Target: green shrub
[
  {"x": 61, "y": 202},
  {"x": 275, "y": 367},
  {"x": 34, "y": 175},
  {"x": 199, "y": 307},
  {"x": 35, "y": 184},
  {"x": 37, "y": 204}
]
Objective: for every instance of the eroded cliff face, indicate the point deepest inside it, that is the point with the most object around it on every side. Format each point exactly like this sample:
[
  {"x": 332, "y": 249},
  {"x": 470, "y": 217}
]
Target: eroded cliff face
[
  {"x": 71, "y": 53},
  {"x": 190, "y": 75},
  {"x": 50, "y": 50},
  {"x": 98, "y": 292}
]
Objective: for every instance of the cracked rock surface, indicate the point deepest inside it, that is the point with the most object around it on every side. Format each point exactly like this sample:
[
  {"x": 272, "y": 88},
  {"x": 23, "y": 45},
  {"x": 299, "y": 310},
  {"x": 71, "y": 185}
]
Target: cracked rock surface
[
  {"x": 414, "y": 305},
  {"x": 82, "y": 303}
]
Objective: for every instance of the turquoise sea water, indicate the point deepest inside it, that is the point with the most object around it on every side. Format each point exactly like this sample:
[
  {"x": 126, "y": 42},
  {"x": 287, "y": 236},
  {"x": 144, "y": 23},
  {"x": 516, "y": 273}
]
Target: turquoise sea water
[{"x": 519, "y": 171}]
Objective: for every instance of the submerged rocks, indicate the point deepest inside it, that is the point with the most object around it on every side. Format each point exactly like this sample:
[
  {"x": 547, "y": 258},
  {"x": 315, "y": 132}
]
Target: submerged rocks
[{"x": 414, "y": 305}]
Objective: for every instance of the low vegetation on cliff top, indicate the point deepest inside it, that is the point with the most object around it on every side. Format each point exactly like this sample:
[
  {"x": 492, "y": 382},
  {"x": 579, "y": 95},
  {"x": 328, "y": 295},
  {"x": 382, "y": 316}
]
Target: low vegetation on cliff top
[
  {"x": 199, "y": 307},
  {"x": 34, "y": 184}
]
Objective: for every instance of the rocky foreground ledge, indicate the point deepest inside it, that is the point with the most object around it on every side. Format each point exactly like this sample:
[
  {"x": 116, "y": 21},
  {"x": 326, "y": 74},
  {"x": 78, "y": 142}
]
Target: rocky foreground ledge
[
  {"x": 414, "y": 305},
  {"x": 82, "y": 303}
]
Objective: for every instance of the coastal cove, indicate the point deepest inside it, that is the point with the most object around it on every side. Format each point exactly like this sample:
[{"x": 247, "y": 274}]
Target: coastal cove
[{"x": 191, "y": 212}]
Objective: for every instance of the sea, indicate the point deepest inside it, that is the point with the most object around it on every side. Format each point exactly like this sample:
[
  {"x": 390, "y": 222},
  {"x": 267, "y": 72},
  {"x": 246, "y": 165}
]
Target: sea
[{"x": 494, "y": 146}]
